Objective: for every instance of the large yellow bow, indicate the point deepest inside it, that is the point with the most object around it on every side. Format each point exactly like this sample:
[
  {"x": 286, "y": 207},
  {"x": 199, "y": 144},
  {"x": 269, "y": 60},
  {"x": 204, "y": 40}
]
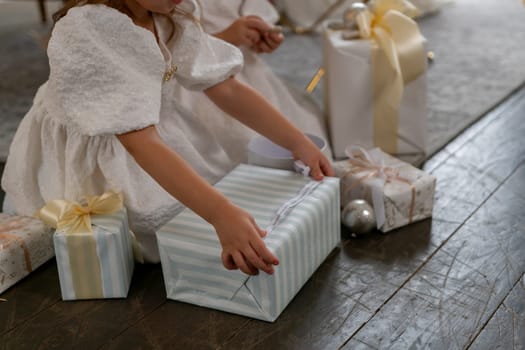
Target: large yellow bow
[
  {"x": 401, "y": 58},
  {"x": 76, "y": 218}
]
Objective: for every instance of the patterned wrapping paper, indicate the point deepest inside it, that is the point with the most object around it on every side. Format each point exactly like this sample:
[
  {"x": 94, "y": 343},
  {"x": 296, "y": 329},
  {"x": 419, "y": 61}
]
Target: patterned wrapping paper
[
  {"x": 191, "y": 253},
  {"x": 403, "y": 203},
  {"x": 114, "y": 257},
  {"x": 25, "y": 244}
]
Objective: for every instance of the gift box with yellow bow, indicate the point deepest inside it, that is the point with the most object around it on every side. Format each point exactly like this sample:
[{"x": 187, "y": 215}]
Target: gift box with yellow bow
[
  {"x": 375, "y": 86},
  {"x": 399, "y": 193},
  {"x": 25, "y": 244},
  {"x": 93, "y": 246}
]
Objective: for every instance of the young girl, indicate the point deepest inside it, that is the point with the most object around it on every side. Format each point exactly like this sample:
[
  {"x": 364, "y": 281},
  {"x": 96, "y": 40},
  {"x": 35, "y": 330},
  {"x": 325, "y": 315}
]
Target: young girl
[
  {"x": 248, "y": 25},
  {"x": 106, "y": 119}
]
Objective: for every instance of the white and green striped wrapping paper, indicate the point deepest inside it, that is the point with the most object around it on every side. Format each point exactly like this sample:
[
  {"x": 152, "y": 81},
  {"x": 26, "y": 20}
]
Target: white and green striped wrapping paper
[
  {"x": 191, "y": 253},
  {"x": 114, "y": 254}
]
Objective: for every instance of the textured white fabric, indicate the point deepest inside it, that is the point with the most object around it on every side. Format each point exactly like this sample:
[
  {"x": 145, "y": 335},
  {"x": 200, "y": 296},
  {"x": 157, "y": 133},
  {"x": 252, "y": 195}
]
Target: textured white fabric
[
  {"x": 101, "y": 83},
  {"x": 107, "y": 78},
  {"x": 232, "y": 135}
]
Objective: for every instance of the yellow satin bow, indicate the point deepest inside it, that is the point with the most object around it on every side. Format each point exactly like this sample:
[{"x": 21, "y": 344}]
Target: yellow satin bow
[
  {"x": 76, "y": 218},
  {"x": 400, "y": 60},
  {"x": 390, "y": 23}
]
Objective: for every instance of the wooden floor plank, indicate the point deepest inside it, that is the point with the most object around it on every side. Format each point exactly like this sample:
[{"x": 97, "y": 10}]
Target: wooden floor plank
[
  {"x": 32, "y": 295},
  {"x": 476, "y": 169},
  {"x": 448, "y": 301},
  {"x": 179, "y": 326},
  {"x": 343, "y": 294},
  {"x": 506, "y": 328},
  {"x": 89, "y": 324},
  {"x": 512, "y": 105}
]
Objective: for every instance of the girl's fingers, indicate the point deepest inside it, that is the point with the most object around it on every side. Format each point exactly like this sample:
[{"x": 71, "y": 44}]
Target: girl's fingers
[
  {"x": 241, "y": 263},
  {"x": 227, "y": 261},
  {"x": 316, "y": 172},
  {"x": 256, "y": 261},
  {"x": 253, "y": 270},
  {"x": 262, "y": 250},
  {"x": 326, "y": 167},
  {"x": 252, "y": 37},
  {"x": 273, "y": 40},
  {"x": 263, "y": 46},
  {"x": 260, "y": 231},
  {"x": 277, "y": 38},
  {"x": 257, "y": 23}
]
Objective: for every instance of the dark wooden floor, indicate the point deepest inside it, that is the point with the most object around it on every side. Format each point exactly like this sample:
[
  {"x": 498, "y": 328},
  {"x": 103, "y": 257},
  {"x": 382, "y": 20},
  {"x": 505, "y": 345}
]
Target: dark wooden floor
[{"x": 453, "y": 282}]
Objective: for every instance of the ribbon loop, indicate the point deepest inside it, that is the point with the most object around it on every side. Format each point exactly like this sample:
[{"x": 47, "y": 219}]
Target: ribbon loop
[{"x": 400, "y": 60}]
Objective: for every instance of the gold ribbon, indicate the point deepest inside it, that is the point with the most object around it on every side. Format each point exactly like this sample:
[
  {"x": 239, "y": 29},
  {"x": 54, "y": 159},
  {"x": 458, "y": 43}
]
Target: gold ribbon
[
  {"x": 362, "y": 162},
  {"x": 5, "y": 235},
  {"x": 74, "y": 220},
  {"x": 401, "y": 58}
]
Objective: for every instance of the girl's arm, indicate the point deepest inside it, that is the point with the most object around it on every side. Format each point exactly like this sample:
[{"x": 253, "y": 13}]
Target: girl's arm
[
  {"x": 238, "y": 233},
  {"x": 246, "y": 105}
]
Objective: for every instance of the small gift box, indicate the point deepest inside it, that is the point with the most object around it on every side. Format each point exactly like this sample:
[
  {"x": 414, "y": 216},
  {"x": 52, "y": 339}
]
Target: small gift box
[
  {"x": 302, "y": 219},
  {"x": 400, "y": 193},
  {"x": 93, "y": 247},
  {"x": 375, "y": 84},
  {"x": 25, "y": 244}
]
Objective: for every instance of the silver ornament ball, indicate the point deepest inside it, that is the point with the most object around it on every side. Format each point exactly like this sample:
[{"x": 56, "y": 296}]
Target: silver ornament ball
[{"x": 359, "y": 217}]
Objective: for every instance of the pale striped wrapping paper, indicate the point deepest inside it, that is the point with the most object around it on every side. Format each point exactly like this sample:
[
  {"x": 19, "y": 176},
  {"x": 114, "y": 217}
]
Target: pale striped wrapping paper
[
  {"x": 191, "y": 253},
  {"x": 115, "y": 255}
]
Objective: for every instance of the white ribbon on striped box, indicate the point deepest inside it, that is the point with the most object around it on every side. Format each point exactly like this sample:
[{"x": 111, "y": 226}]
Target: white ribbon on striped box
[
  {"x": 190, "y": 251},
  {"x": 114, "y": 252}
]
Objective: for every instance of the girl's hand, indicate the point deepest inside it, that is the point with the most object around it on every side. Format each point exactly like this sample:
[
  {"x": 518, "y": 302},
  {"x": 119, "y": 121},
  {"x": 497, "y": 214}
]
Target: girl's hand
[
  {"x": 245, "y": 31},
  {"x": 269, "y": 42},
  {"x": 241, "y": 240},
  {"x": 310, "y": 154}
]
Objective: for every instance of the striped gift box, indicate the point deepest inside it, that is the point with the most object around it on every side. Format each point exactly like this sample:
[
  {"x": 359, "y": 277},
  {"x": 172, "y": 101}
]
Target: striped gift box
[
  {"x": 303, "y": 223},
  {"x": 104, "y": 275}
]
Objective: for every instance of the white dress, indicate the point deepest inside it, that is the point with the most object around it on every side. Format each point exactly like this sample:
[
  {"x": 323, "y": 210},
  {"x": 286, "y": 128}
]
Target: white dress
[
  {"x": 106, "y": 78},
  {"x": 234, "y": 136}
]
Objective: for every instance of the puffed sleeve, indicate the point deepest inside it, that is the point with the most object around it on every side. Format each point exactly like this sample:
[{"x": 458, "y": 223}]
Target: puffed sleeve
[
  {"x": 105, "y": 72},
  {"x": 202, "y": 60}
]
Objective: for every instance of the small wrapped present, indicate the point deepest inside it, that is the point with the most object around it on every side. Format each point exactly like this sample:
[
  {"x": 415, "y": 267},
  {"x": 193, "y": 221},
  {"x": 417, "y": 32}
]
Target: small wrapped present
[
  {"x": 25, "y": 244},
  {"x": 93, "y": 247},
  {"x": 400, "y": 193},
  {"x": 302, "y": 218},
  {"x": 375, "y": 83}
]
